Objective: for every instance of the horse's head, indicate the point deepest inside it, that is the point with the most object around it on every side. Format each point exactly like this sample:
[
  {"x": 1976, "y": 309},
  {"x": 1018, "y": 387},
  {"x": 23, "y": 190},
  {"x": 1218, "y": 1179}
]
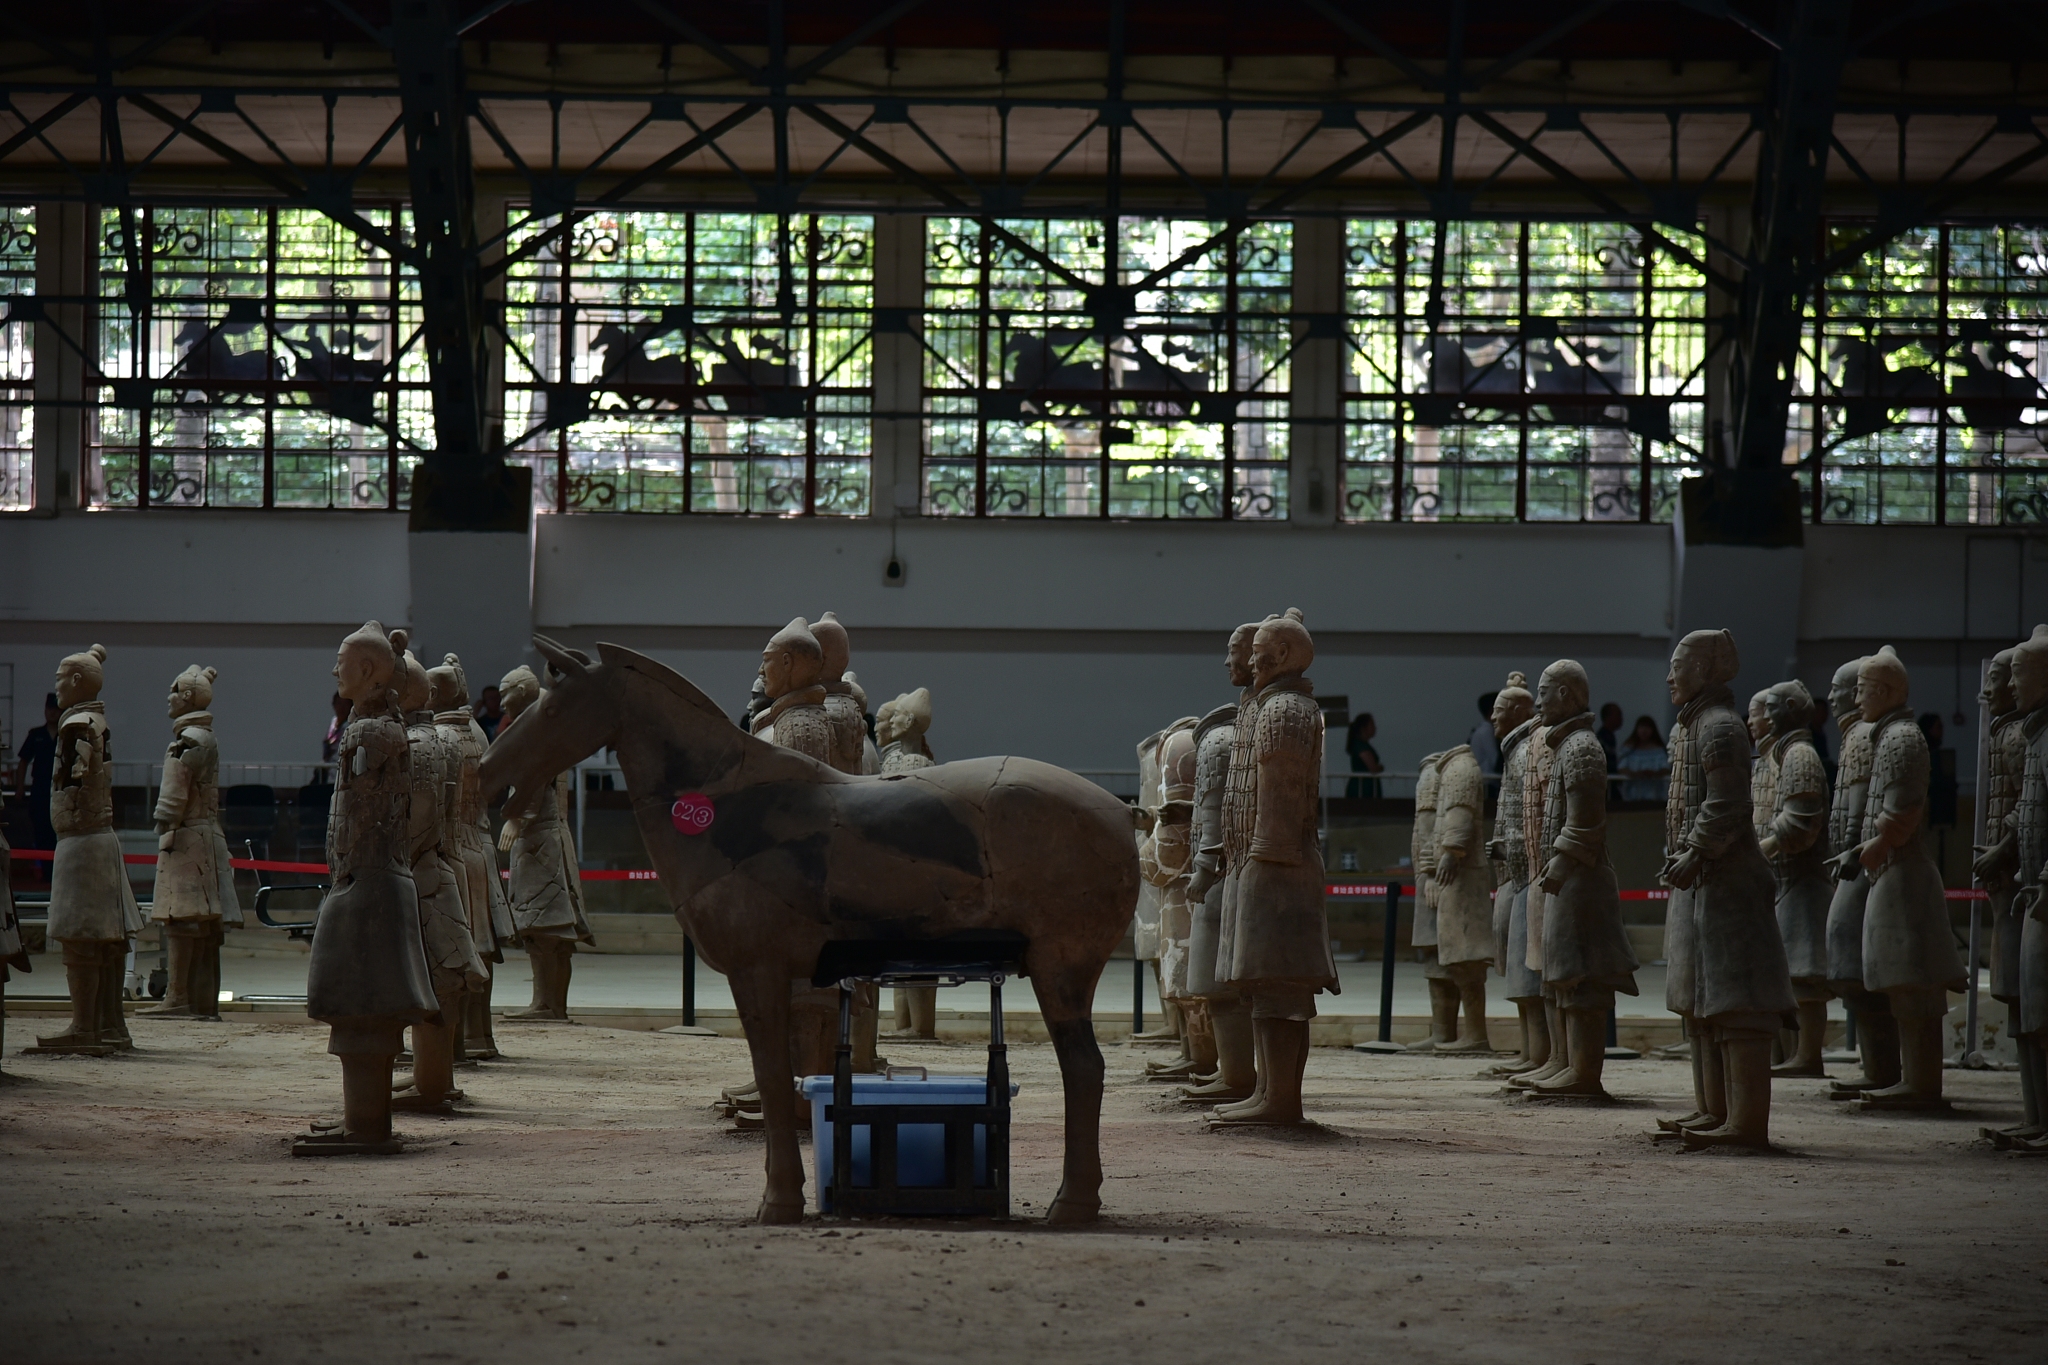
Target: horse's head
[{"x": 578, "y": 716}]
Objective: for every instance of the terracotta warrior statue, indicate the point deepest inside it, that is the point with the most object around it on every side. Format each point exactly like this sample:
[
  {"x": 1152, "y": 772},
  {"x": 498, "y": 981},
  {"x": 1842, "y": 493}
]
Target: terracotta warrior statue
[
  {"x": 547, "y": 890},
  {"x": 1762, "y": 771},
  {"x": 1228, "y": 1012},
  {"x": 1227, "y": 786},
  {"x": 1726, "y": 976},
  {"x": 13, "y": 954},
  {"x": 451, "y": 949},
  {"x": 1536, "y": 763},
  {"x": 1170, "y": 867},
  {"x": 1275, "y": 944},
  {"x": 1795, "y": 842},
  {"x": 870, "y": 752},
  {"x": 792, "y": 666},
  {"x": 468, "y": 853},
  {"x": 1909, "y": 953},
  {"x": 792, "y": 672},
  {"x": 1877, "y": 1033},
  {"x": 2029, "y": 824},
  {"x": 1462, "y": 883},
  {"x": 1586, "y": 954},
  {"x": 195, "y": 883},
  {"x": 1996, "y": 867},
  {"x": 850, "y": 751},
  {"x": 1145, "y": 919},
  {"x": 846, "y": 710},
  {"x": 93, "y": 912},
  {"x": 1443, "y": 1019},
  {"x": 1513, "y": 719},
  {"x": 900, "y": 728},
  {"x": 367, "y": 978}
]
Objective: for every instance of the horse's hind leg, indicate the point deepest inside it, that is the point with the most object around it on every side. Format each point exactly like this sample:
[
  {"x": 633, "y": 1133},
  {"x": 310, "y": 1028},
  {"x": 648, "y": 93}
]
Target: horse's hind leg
[
  {"x": 763, "y": 1003},
  {"x": 1065, "y": 993}
]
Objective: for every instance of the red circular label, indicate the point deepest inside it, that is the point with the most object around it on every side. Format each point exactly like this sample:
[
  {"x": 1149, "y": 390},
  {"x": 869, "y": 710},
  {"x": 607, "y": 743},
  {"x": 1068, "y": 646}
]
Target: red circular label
[{"x": 692, "y": 813}]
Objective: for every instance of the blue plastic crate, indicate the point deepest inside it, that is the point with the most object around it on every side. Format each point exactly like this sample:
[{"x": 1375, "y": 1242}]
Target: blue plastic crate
[{"x": 920, "y": 1147}]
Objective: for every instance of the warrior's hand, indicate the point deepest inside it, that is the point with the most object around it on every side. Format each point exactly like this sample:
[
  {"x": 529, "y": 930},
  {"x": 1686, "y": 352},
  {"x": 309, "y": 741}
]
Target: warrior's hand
[
  {"x": 1769, "y": 845},
  {"x": 1554, "y": 873},
  {"x": 1446, "y": 869},
  {"x": 1873, "y": 854},
  {"x": 1199, "y": 884},
  {"x": 1685, "y": 869},
  {"x": 1844, "y": 865}
]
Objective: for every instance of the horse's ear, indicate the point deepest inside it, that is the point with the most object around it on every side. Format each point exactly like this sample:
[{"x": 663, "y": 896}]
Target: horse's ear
[{"x": 570, "y": 663}]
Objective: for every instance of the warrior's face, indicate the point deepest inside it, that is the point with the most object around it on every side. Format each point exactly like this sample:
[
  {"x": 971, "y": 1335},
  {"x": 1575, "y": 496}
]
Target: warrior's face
[
  {"x": 1688, "y": 675},
  {"x": 1237, "y": 660},
  {"x": 1878, "y": 693}
]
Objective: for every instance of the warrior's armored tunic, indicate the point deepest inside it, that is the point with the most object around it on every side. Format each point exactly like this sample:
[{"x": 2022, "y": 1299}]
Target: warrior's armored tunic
[{"x": 1726, "y": 961}]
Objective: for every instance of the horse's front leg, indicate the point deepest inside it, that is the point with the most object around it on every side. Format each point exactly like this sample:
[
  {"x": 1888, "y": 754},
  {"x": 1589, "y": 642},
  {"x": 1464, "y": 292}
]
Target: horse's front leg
[
  {"x": 1066, "y": 992},
  {"x": 762, "y": 998}
]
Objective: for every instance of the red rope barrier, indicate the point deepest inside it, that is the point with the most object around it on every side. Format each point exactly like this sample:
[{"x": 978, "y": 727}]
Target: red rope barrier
[{"x": 1336, "y": 891}]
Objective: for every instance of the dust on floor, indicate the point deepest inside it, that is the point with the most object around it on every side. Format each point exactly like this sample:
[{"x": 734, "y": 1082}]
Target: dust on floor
[{"x": 588, "y": 1205}]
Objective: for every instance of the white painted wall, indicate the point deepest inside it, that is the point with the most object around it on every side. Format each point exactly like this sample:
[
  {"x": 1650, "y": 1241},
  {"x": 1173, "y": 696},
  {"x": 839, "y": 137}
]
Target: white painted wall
[{"x": 1065, "y": 641}]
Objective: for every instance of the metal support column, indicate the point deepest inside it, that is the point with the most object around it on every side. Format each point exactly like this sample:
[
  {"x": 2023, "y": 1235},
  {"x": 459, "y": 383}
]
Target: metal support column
[{"x": 463, "y": 483}]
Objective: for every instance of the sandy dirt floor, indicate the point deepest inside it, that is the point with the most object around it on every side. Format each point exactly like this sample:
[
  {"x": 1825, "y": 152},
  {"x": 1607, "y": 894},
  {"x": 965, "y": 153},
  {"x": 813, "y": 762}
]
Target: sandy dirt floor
[{"x": 588, "y": 1205}]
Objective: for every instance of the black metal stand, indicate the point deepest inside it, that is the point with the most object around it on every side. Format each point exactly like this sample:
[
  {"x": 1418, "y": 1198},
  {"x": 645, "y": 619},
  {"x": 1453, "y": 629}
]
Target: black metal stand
[
  {"x": 1385, "y": 1042},
  {"x": 971, "y": 1188}
]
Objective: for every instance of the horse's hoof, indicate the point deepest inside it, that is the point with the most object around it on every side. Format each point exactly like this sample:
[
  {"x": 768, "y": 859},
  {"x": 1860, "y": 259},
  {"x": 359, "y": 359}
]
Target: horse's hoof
[
  {"x": 1066, "y": 1213},
  {"x": 772, "y": 1212}
]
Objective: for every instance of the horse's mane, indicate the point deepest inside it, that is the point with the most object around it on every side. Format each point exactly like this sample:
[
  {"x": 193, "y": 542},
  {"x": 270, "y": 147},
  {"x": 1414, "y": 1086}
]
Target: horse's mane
[{"x": 618, "y": 656}]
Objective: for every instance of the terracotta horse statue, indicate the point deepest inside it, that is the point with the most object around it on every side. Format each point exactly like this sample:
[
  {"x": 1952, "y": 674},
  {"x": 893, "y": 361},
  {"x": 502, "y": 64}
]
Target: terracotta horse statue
[{"x": 768, "y": 855}]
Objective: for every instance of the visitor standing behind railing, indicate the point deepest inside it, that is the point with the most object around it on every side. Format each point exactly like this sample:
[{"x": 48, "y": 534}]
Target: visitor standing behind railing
[
  {"x": 1364, "y": 758},
  {"x": 1644, "y": 763}
]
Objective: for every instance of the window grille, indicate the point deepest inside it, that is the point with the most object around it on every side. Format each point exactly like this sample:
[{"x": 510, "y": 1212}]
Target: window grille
[
  {"x": 17, "y": 357},
  {"x": 1920, "y": 381},
  {"x": 253, "y": 357},
  {"x": 1106, "y": 368},
  {"x": 1520, "y": 371},
  {"x": 694, "y": 362}
]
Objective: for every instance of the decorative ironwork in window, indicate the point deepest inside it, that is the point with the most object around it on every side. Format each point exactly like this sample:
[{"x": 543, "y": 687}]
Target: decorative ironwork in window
[
  {"x": 17, "y": 357},
  {"x": 253, "y": 357},
  {"x": 1520, "y": 371},
  {"x": 1106, "y": 368},
  {"x": 1921, "y": 379},
  {"x": 694, "y": 362}
]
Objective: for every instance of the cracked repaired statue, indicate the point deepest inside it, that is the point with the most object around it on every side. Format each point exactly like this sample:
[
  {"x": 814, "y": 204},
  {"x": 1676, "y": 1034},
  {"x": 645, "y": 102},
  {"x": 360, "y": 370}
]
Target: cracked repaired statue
[
  {"x": 547, "y": 889},
  {"x": 900, "y": 728},
  {"x": 1726, "y": 976},
  {"x": 1909, "y": 953},
  {"x": 93, "y": 912},
  {"x": 451, "y": 948},
  {"x": 1514, "y": 712},
  {"x": 1794, "y": 840},
  {"x": 2029, "y": 825},
  {"x": 1225, "y": 779},
  {"x": 1877, "y": 1032},
  {"x": 1996, "y": 868},
  {"x": 1169, "y": 867},
  {"x": 367, "y": 978},
  {"x": 1461, "y": 884},
  {"x": 468, "y": 851},
  {"x": 1443, "y": 1023},
  {"x": 195, "y": 882},
  {"x": 1586, "y": 954},
  {"x": 1275, "y": 944}
]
